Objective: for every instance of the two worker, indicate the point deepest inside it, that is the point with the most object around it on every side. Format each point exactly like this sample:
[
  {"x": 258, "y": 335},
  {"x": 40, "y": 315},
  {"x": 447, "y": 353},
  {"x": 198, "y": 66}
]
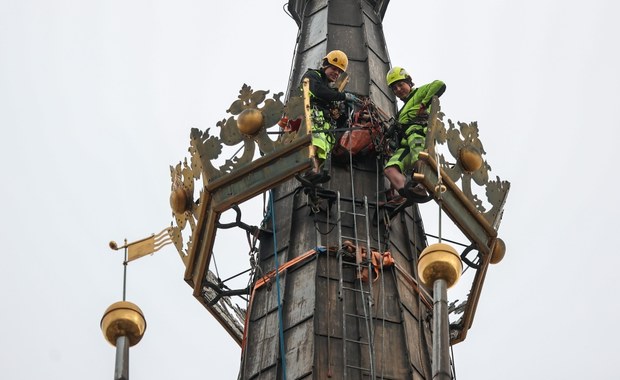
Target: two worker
[{"x": 411, "y": 120}]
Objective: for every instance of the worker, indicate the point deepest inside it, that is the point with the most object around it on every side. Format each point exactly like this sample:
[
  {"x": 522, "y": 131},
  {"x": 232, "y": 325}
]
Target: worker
[
  {"x": 411, "y": 121},
  {"x": 324, "y": 100}
]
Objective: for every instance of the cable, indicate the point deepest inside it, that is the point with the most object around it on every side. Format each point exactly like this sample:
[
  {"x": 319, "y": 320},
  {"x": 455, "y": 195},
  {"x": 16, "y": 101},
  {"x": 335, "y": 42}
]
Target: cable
[
  {"x": 286, "y": 11},
  {"x": 275, "y": 252},
  {"x": 316, "y": 226},
  {"x": 469, "y": 262},
  {"x": 448, "y": 240}
]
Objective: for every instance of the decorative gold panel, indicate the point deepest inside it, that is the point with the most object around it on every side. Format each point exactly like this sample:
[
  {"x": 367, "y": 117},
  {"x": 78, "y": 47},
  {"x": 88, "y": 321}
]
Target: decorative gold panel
[
  {"x": 461, "y": 202},
  {"x": 458, "y": 176},
  {"x": 205, "y": 148},
  {"x": 230, "y": 182}
]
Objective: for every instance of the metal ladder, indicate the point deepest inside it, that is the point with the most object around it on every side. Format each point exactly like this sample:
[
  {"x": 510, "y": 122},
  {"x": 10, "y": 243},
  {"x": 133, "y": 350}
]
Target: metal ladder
[{"x": 361, "y": 293}]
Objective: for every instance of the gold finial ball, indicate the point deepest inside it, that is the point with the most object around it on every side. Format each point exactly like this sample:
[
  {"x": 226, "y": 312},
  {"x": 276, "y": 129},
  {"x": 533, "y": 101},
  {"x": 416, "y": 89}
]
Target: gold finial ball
[
  {"x": 470, "y": 158},
  {"x": 113, "y": 245},
  {"x": 498, "y": 251},
  {"x": 179, "y": 200},
  {"x": 439, "y": 261},
  {"x": 123, "y": 319},
  {"x": 250, "y": 121}
]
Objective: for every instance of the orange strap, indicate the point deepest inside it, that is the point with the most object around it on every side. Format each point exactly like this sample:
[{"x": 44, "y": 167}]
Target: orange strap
[
  {"x": 264, "y": 280},
  {"x": 378, "y": 259}
]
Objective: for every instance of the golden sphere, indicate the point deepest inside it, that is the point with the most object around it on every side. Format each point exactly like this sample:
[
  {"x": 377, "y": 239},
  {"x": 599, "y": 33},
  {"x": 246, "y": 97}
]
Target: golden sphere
[
  {"x": 113, "y": 245},
  {"x": 250, "y": 121},
  {"x": 179, "y": 200},
  {"x": 470, "y": 158},
  {"x": 498, "y": 251},
  {"x": 439, "y": 261},
  {"x": 123, "y": 319}
]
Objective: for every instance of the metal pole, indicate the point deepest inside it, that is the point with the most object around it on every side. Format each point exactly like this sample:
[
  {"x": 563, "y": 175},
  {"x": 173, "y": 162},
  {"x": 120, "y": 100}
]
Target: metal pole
[
  {"x": 441, "y": 332},
  {"x": 121, "y": 367},
  {"x": 125, "y": 273}
]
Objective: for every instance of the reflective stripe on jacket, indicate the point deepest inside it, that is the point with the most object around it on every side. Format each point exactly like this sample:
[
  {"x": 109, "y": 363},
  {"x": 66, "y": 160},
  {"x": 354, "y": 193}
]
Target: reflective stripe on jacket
[{"x": 321, "y": 94}]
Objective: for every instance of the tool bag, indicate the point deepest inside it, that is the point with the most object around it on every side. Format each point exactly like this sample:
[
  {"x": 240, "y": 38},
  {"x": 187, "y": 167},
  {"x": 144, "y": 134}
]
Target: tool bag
[{"x": 365, "y": 131}]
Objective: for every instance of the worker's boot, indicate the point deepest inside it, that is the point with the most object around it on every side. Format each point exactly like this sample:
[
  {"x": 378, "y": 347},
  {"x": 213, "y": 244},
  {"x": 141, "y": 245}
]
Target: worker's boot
[
  {"x": 413, "y": 190},
  {"x": 394, "y": 198},
  {"x": 412, "y": 187},
  {"x": 314, "y": 174}
]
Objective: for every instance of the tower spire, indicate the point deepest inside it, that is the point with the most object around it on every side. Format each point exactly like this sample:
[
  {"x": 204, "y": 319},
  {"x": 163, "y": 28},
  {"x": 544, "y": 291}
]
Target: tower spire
[
  {"x": 353, "y": 26},
  {"x": 334, "y": 324}
]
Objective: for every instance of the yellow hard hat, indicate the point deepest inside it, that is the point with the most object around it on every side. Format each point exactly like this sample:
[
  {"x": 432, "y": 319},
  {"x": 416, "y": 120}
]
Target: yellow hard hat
[
  {"x": 337, "y": 58},
  {"x": 396, "y": 74}
]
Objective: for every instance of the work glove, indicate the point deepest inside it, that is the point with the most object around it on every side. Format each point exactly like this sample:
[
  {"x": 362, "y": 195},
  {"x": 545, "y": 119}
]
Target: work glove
[
  {"x": 394, "y": 130},
  {"x": 350, "y": 98}
]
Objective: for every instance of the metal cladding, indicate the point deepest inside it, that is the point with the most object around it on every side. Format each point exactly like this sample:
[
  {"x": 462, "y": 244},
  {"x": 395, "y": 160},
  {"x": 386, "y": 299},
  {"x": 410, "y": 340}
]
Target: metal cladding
[
  {"x": 328, "y": 329},
  {"x": 353, "y": 27}
]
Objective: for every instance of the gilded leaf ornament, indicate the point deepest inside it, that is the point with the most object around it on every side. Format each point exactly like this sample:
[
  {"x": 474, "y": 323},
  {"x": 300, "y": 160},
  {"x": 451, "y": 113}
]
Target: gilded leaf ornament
[
  {"x": 462, "y": 141},
  {"x": 207, "y": 148}
]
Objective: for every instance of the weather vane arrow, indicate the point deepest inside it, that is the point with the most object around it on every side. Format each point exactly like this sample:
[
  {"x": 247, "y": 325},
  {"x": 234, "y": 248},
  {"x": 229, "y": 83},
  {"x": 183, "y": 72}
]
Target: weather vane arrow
[{"x": 146, "y": 246}]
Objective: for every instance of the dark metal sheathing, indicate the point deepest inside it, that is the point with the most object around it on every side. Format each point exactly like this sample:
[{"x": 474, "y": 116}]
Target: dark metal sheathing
[
  {"x": 312, "y": 313},
  {"x": 353, "y": 27},
  {"x": 296, "y": 8}
]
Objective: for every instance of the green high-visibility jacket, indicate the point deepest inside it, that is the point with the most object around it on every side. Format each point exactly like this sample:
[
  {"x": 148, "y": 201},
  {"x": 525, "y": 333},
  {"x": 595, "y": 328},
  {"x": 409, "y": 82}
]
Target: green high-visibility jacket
[
  {"x": 419, "y": 98},
  {"x": 413, "y": 117}
]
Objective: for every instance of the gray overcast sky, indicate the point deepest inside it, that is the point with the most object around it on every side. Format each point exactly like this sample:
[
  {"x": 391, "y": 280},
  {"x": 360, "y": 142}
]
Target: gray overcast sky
[{"x": 97, "y": 99}]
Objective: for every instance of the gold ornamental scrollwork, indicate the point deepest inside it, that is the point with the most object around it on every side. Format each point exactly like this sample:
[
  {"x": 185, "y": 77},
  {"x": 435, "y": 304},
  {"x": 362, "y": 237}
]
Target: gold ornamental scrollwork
[
  {"x": 206, "y": 148},
  {"x": 184, "y": 208},
  {"x": 228, "y": 181},
  {"x": 467, "y": 164}
]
